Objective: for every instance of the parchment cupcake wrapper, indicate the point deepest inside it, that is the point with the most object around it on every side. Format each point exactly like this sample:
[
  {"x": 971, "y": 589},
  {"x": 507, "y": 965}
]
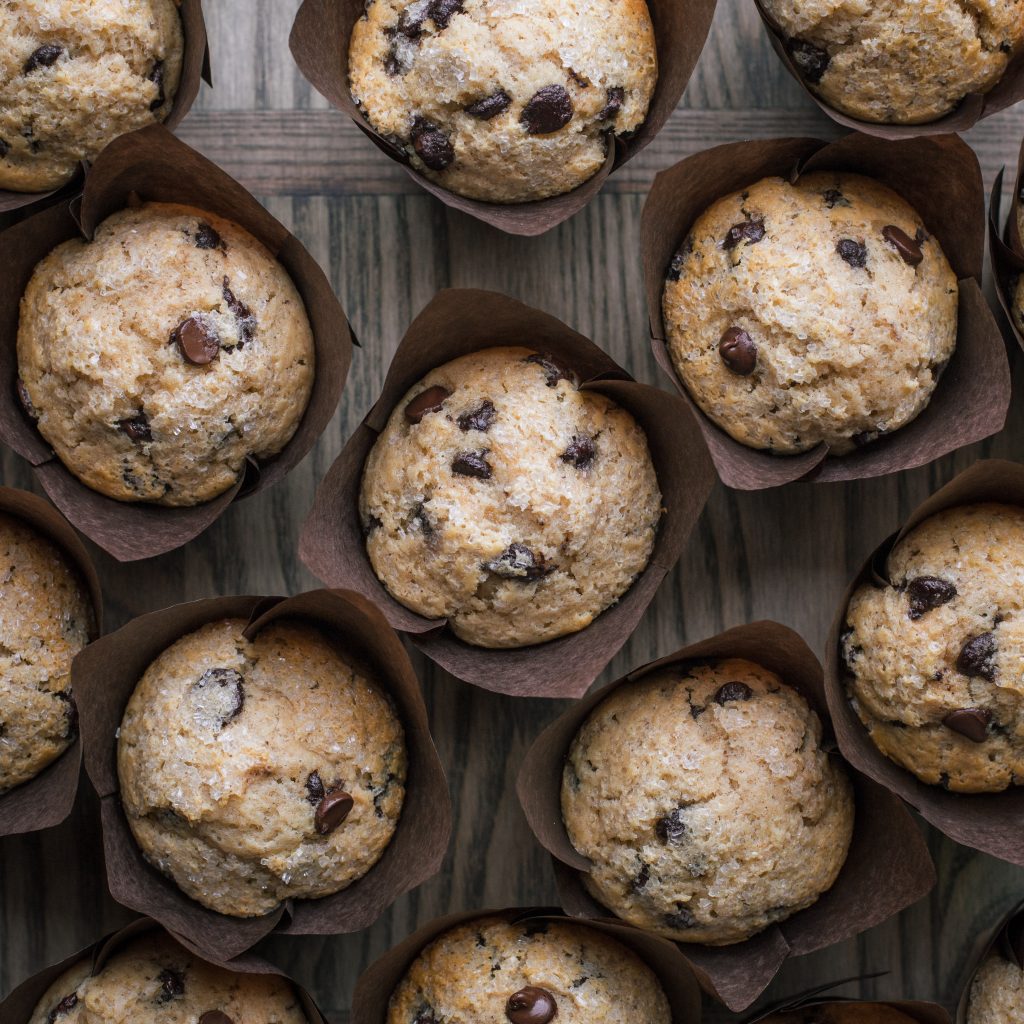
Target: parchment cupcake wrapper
[
  {"x": 1006, "y": 247},
  {"x": 152, "y": 164},
  {"x": 1006, "y": 938},
  {"x": 887, "y": 869},
  {"x": 923, "y": 1013},
  {"x": 941, "y": 179},
  {"x": 105, "y": 675}
]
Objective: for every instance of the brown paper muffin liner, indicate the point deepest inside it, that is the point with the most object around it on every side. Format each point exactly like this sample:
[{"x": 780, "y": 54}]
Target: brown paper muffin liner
[
  {"x": 320, "y": 41},
  {"x": 971, "y": 109},
  {"x": 18, "y": 1006},
  {"x": 47, "y": 799},
  {"x": 379, "y": 980},
  {"x": 194, "y": 69},
  {"x": 941, "y": 179},
  {"x": 105, "y": 675},
  {"x": 923, "y": 1013},
  {"x": 887, "y": 868},
  {"x": 455, "y": 323},
  {"x": 1006, "y": 938},
  {"x": 1006, "y": 247},
  {"x": 990, "y": 822},
  {"x": 153, "y": 165}
]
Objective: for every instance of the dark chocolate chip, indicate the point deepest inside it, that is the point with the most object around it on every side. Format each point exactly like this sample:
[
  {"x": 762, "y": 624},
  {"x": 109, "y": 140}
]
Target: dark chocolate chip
[
  {"x": 671, "y": 828},
  {"x": 410, "y": 21},
  {"x": 517, "y": 562},
  {"x": 432, "y": 146},
  {"x": 977, "y": 656},
  {"x": 811, "y": 62},
  {"x": 490, "y": 106},
  {"x": 554, "y": 369},
  {"x": 70, "y": 714},
  {"x": 372, "y": 523},
  {"x": 580, "y": 452},
  {"x": 425, "y": 1016},
  {"x": 473, "y": 464},
  {"x": 531, "y": 1005},
  {"x": 733, "y": 691},
  {"x": 928, "y": 592},
  {"x": 853, "y": 252},
  {"x": 197, "y": 340},
  {"x": 219, "y": 694},
  {"x": 207, "y": 238},
  {"x": 738, "y": 351},
  {"x": 418, "y": 517},
  {"x": 26, "y": 400},
  {"x": 215, "y": 1017},
  {"x": 442, "y": 11},
  {"x": 643, "y": 876},
  {"x": 581, "y": 80},
  {"x": 241, "y": 312},
  {"x": 833, "y": 198},
  {"x": 156, "y": 76},
  {"x": 548, "y": 110},
  {"x": 5, "y": 147},
  {"x": 970, "y": 722},
  {"x": 675, "y": 268},
  {"x": 332, "y": 810},
  {"x": 749, "y": 231},
  {"x": 137, "y": 428},
  {"x": 45, "y": 57},
  {"x": 613, "y": 104},
  {"x": 909, "y": 250},
  {"x": 681, "y": 919},
  {"x": 172, "y": 985},
  {"x": 430, "y": 400},
  {"x": 314, "y": 788},
  {"x": 65, "y": 1006},
  {"x": 479, "y": 418}
]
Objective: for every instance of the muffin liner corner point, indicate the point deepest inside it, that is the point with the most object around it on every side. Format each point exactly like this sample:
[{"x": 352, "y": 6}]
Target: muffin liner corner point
[
  {"x": 1006, "y": 247},
  {"x": 886, "y": 843},
  {"x": 105, "y": 675},
  {"x": 940, "y": 177},
  {"x": 454, "y": 323},
  {"x": 155, "y": 166}
]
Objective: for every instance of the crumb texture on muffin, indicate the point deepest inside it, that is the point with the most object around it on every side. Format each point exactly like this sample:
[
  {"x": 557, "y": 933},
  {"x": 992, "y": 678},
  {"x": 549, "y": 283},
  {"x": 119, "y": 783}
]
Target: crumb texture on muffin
[
  {"x": 162, "y": 355},
  {"x": 895, "y": 62},
  {"x": 936, "y": 658},
  {"x": 75, "y": 75},
  {"x": 997, "y": 993},
  {"x": 504, "y": 498},
  {"x": 254, "y": 771},
  {"x": 472, "y": 973},
  {"x": 705, "y": 803},
  {"x": 153, "y": 980},
  {"x": 810, "y": 313},
  {"x": 46, "y": 618},
  {"x": 504, "y": 102}
]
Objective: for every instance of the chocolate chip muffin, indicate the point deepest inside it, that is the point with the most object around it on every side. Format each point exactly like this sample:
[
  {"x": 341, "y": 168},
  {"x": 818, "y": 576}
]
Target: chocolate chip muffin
[
  {"x": 894, "y": 62},
  {"x": 153, "y": 980},
  {"x": 842, "y": 1013},
  {"x": 505, "y": 499},
  {"x": 46, "y": 618},
  {"x": 820, "y": 312},
  {"x": 997, "y": 993},
  {"x": 253, "y": 771},
  {"x": 527, "y": 972},
  {"x": 160, "y": 357},
  {"x": 74, "y": 76},
  {"x": 705, "y": 803},
  {"x": 936, "y": 657},
  {"x": 501, "y": 103}
]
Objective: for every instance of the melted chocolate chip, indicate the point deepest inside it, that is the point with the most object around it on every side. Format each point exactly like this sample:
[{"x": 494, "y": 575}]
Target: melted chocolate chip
[
  {"x": 156, "y": 76},
  {"x": 681, "y": 919},
  {"x": 811, "y": 62},
  {"x": 137, "y": 428},
  {"x": 479, "y": 418},
  {"x": 490, "y": 106},
  {"x": 853, "y": 252},
  {"x": 531, "y": 1005},
  {"x": 430, "y": 400},
  {"x": 733, "y": 691},
  {"x": 517, "y": 562},
  {"x": 215, "y": 1017},
  {"x": 738, "y": 351},
  {"x": 241, "y": 312},
  {"x": 442, "y": 11},
  {"x": 749, "y": 231},
  {"x": 928, "y": 592},
  {"x": 65, "y": 1006},
  {"x": 616, "y": 95},
  {"x": 833, "y": 198},
  {"x": 25, "y": 399},
  {"x": 172, "y": 985},
  {"x": 207, "y": 238},
  {"x": 554, "y": 370},
  {"x": 197, "y": 340},
  {"x": 332, "y": 810},
  {"x": 432, "y": 146},
  {"x": 314, "y": 788},
  {"x": 580, "y": 452},
  {"x": 977, "y": 656},
  {"x": 909, "y": 250},
  {"x": 219, "y": 697},
  {"x": 671, "y": 828},
  {"x": 970, "y": 722},
  {"x": 45, "y": 57},
  {"x": 548, "y": 110},
  {"x": 472, "y": 464}
]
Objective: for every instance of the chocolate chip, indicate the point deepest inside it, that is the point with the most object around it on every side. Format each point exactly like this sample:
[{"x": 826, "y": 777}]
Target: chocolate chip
[
  {"x": 241, "y": 312},
  {"x": 675, "y": 268},
  {"x": 580, "y": 452},
  {"x": 425, "y": 1016},
  {"x": 833, "y": 198},
  {"x": 908, "y": 249},
  {"x": 853, "y": 252},
  {"x": 811, "y": 62},
  {"x": 554, "y": 370},
  {"x": 314, "y": 788},
  {"x": 207, "y": 238},
  {"x": 172, "y": 985},
  {"x": 548, "y": 110},
  {"x": 137, "y": 428},
  {"x": 643, "y": 876},
  {"x": 218, "y": 696},
  {"x": 332, "y": 810},
  {"x": 156, "y": 76},
  {"x": 25, "y": 399},
  {"x": 70, "y": 714},
  {"x": 530, "y": 1005},
  {"x": 490, "y": 106},
  {"x": 430, "y": 400},
  {"x": 613, "y": 104},
  {"x": 977, "y": 656},
  {"x": 198, "y": 340},
  {"x": 372, "y": 523},
  {"x": 749, "y": 231},
  {"x": 410, "y": 21},
  {"x": 215, "y": 1017},
  {"x": 65, "y": 1006},
  {"x": 517, "y": 562},
  {"x": 738, "y": 351},
  {"x": 45, "y": 57},
  {"x": 432, "y": 146},
  {"x": 970, "y": 722},
  {"x": 473, "y": 464},
  {"x": 5, "y": 147},
  {"x": 671, "y": 828},
  {"x": 442, "y": 11},
  {"x": 681, "y": 919},
  {"x": 928, "y": 592},
  {"x": 418, "y": 517},
  {"x": 479, "y": 418},
  {"x": 733, "y": 691},
  {"x": 581, "y": 80}
]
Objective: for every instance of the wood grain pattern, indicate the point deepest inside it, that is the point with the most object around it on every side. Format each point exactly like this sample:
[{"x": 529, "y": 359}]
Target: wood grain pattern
[{"x": 387, "y": 247}]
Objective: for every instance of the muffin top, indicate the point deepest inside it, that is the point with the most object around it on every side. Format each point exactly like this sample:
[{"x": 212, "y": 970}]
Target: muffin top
[
  {"x": 705, "y": 803},
  {"x": 809, "y": 313},
  {"x": 527, "y": 972},
  {"x": 896, "y": 62},
  {"x": 74, "y": 76},
  {"x": 46, "y": 618},
  {"x": 153, "y": 980},
  {"x": 842, "y": 1013},
  {"x": 256, "y": 770},
  {"x": 502, "y": 497},
  {"x": 997, "y": 993},
  {"x": 501, "y": 102},
  {"x": 162, "y": 355},
  {"x": 936, "y": 658}
]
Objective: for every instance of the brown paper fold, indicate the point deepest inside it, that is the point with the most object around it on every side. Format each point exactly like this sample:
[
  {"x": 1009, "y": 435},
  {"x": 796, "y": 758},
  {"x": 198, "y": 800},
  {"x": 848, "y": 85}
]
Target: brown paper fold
[
  {"x": 379, "y": 980},
  {"x": 47, "y": 799},
  {"x": 18, "y": 1006},
  {"x": 941, "y": 179},
  {"x": 1006, "y": 938},
  {"x": 1006, "y": 247},
  {"x": 195, "y": 67},
  {"x": 154, "y": 165},
  {"x": 320, "y": 40},
  {"x": 887, "y": 868},
  {"x": 971, "y": 109},
  {"x": 454, "y": 323},
  {"x": 105, "y": 675},
  {"x": 990, "y": 822}
]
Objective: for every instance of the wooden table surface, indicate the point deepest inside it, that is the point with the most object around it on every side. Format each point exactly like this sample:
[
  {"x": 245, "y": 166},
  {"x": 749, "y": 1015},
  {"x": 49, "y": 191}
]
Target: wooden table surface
[{"x": 387, "y": 247}]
